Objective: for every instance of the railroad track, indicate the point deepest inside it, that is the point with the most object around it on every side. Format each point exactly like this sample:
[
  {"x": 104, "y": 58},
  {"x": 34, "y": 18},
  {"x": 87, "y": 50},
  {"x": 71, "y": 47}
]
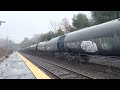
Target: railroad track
[
  {"x": 69, "y": 75},
  {"x": 104, "y": 68},
  {"x": 110, "y": 71},
  {"x": 57, "y": 71},
  {"x": 46, "y": 70}
]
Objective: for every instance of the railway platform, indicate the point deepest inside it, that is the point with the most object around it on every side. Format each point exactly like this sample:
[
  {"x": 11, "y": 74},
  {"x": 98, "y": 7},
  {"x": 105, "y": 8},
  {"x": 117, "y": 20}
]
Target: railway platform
[{"x": 18, "y": 67}]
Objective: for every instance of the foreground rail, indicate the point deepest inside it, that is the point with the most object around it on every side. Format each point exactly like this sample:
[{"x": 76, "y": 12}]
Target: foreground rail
[
  {"x": 98, "y": 70},
  {"x": 57, "y": 71}
]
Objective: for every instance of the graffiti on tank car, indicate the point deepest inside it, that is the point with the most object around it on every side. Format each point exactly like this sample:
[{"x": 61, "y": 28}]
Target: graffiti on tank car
[
  {"x": 68, "y": 44},
  {"x": 100, "y": 40},
  {"x": 73, "y": 45},
  {"x": 89, "y": 46},
  {"x": 106, "y": 46}
]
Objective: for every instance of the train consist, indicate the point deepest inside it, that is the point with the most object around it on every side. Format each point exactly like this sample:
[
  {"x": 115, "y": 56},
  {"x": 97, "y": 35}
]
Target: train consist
[{"x": 102, "y": 39}]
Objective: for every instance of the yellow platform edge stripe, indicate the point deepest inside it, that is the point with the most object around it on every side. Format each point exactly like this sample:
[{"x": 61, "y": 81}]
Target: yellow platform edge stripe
[{"x": 39, "y": 74}]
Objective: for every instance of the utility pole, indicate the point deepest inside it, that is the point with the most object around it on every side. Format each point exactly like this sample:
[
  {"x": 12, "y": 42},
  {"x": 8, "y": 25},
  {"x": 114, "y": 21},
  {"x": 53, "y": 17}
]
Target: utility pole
[
  {"x": 7, "y": 49},
  {"x": 2, "y": 22},
  {"x": 118, "y": 15}
]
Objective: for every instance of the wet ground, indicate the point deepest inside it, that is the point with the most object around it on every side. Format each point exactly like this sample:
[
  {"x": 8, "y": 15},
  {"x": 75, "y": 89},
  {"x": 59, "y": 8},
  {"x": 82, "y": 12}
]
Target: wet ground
[{"x": 14, "y": 68}]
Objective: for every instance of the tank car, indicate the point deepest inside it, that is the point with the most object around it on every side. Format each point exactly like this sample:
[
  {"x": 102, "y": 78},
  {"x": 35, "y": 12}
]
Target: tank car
[
  {"x": 102, "y": 39},
  {"x": 41, "y": 46},
  {"x": 51, "y": 46},
  {"x": 60, "y": 44},
  {"x": 33, "y": 47},
  {"x": 55, "y": 45},
  {"x": 27, "y": 48}
]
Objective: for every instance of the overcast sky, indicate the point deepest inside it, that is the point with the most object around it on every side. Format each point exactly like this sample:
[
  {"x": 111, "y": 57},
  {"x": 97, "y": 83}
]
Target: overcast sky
[{"x": 20, "y": 24}]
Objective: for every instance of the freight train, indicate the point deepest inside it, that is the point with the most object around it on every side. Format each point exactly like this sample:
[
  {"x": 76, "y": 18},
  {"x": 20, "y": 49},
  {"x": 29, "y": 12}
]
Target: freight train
[{"x": 102, "y": 39}]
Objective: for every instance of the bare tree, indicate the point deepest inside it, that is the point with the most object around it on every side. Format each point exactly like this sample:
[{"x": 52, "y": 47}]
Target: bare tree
[
  {"x": 66, "y": 25},
  {"x": 35, "y": 39},
  {"x": 55, "y": 26}
]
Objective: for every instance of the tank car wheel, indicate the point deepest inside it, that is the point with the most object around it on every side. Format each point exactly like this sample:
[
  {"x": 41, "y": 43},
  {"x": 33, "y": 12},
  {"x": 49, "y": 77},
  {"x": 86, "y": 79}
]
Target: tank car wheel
[{"x": 86, "y": 58}]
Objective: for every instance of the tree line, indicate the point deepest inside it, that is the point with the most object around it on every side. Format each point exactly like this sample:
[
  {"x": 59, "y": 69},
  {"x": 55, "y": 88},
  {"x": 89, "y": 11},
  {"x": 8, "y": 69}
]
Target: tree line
[
  {"x": 7, "y": 44},
  {"x": 79, "y": 21}
]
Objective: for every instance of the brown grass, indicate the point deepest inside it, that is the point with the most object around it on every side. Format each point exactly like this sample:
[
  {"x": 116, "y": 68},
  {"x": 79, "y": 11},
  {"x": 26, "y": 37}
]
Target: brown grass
[{"x": 2, "y": 53}]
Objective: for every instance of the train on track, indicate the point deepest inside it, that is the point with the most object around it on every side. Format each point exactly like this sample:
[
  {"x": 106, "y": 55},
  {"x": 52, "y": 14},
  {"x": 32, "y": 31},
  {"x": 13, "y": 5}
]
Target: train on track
[{"x": 102, "y": 39}]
